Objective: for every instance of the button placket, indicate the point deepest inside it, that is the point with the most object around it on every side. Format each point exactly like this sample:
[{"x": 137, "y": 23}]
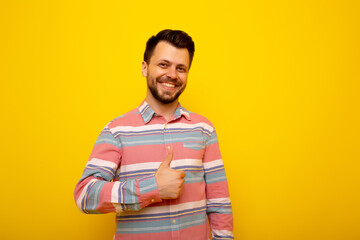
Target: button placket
[
  {"x": 174, "y": 223},
  {"x": 166, "y": 137},
  {"x": 175, "y": 226}
]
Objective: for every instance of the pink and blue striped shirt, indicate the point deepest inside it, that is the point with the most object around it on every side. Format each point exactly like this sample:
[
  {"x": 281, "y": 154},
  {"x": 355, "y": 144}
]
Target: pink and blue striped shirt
[{"x": 120, "y": 177}]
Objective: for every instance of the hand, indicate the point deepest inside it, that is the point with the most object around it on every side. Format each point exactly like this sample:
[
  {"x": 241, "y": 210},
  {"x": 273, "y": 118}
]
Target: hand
[{"x": 170, "y": 182}]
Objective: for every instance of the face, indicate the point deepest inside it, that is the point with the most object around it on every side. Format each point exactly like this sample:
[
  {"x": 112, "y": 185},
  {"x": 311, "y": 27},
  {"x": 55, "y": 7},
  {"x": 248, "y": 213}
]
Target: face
[{"x": 166, "y": 72}]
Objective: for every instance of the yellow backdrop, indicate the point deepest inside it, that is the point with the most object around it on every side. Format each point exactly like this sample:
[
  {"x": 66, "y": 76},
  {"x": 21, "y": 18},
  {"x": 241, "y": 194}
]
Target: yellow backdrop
[{"x": 279, "y": 79}]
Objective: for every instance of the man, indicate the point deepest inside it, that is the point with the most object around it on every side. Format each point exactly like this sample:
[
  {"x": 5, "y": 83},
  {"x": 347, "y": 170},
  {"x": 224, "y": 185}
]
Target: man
[{"x": 159, "y": 166}]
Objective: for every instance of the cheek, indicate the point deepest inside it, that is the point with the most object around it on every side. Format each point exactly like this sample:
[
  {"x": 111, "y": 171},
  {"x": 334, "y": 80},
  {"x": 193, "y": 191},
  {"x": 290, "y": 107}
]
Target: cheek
[
  {"x": 159, "y": 74},
  {"x": 183, "y": 78}
]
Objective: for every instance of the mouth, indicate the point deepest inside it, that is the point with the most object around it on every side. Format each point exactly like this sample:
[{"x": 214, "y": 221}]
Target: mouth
[{"x": 168, "y": 85}]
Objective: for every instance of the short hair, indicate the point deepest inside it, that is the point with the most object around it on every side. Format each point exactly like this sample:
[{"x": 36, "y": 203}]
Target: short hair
[{"x": 177, "y": 38}]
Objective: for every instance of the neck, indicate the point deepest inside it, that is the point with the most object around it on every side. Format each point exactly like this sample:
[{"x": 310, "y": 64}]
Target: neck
[{"x": 165, "y": 110}]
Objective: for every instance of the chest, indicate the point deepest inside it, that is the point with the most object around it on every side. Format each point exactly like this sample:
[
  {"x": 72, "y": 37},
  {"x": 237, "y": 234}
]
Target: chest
[{"x": 145, "y": 147}]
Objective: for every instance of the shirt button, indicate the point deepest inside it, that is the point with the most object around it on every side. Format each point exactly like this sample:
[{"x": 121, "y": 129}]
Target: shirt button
[
  {"x": 165, "y": 126},
  {"x": 174, "y": 221},
  {"x": 152, "y": 200}
]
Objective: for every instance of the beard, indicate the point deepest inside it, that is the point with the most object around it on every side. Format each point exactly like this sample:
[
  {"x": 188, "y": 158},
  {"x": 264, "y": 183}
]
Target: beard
[{"x": 165, "y": 97}]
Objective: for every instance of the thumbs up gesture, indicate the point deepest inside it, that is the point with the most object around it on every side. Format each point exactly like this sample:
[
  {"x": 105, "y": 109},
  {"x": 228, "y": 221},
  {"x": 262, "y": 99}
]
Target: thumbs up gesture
[{"x": 170, "y": 181}]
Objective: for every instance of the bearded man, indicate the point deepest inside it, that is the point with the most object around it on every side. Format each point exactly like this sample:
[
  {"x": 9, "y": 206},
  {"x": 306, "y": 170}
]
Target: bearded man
[{"x": 159, "y": 166}]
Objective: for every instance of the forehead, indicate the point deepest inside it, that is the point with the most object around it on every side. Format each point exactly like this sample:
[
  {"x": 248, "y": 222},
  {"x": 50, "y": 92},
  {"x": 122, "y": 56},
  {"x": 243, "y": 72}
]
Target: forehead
[{"x": 168, "y": 52}]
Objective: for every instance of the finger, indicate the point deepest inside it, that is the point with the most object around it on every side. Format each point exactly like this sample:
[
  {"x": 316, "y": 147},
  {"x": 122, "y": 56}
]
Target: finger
[
  {"x": 168, "y": 158},
  {"x": 182, "y": 173}
]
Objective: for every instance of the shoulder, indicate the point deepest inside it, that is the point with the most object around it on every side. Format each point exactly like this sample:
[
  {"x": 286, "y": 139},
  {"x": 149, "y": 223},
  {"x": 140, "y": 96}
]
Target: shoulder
[
  {"x": 195, "y": 117},
  {"x": 202, "y": 122},
  {"x": 131, "y": 118}
]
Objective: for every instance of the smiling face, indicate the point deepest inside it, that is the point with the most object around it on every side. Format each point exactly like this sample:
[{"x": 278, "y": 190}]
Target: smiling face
[{"x": 166, "y": 72}]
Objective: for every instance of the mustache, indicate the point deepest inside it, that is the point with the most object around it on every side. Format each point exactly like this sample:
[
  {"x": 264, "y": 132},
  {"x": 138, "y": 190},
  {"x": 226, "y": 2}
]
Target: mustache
[{"x": 168, "y": 80}]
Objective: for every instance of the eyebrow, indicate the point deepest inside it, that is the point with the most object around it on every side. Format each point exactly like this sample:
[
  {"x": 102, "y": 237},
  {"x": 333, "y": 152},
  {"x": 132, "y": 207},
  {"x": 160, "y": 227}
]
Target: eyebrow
[{"x": 167, "y": 61}]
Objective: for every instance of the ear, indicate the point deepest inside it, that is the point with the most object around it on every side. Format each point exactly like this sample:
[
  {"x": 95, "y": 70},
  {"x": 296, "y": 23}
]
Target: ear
[{"x": 144, "y": 69}]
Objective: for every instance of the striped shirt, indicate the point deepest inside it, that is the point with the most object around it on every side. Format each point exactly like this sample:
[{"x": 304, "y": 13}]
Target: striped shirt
[{"x": 120, "y": 177}]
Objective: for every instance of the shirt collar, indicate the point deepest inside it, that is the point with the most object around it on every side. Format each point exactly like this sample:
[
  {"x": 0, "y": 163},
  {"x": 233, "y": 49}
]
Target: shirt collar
[{"x": 147, "y": 113}]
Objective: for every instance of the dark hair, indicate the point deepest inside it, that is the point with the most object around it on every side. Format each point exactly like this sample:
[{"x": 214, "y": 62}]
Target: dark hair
[{"x": 176, "y": 38}]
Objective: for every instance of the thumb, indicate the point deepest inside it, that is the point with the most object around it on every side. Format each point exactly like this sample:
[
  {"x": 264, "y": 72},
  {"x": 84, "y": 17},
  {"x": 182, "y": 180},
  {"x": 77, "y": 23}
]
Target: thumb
[{"x": 168, "y": 158}]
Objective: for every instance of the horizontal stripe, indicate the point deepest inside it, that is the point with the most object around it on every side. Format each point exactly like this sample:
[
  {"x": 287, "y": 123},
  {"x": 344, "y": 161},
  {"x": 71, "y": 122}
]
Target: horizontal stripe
[
  {"x": 218, "y": 200},
  {"x": 166, "y": 209},
  {"x": 212, "y": 141},
  {"x": 212, "y": 164},
  {"x": 222, "y": 233},
  {"x": 160, "y": 131},
  {"x": 214, "y": 178},
  {"x": 102, "y": 163},
  {"x": 156, "y": 227},
  {"x": 219, "y": 210},
  {"x": 219, "y": 204},
  {"x": 107, "y": 138},
  {"x": 147, "y": 184},
  {"x": 191, "y": 176},
  {"x": 194, "y": 145},
  {"x": 146, "y": 172},
  {"x": 120, "y": 177},
  {"x": 155, "y": 165},
  {"x": 159, "y": 216},
  {"x": 97, "y": 169},
  {"x": 214, "y": 169},
  {"x": 216, "y": 237},
  {"x": 151, "y": 140},
  {"x": 207, "y": 129},
  {"x": 97, "y": 173}
]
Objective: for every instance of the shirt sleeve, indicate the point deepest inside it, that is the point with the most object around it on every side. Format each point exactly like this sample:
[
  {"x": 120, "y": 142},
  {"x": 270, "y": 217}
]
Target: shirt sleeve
[
  {"x": 97, "y": 192},
  {"x": 217, "y": 194}
]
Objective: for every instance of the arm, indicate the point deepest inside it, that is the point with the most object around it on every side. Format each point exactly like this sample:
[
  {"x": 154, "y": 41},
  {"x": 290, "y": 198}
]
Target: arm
[
  {"x": 218, "y": 202},
  {"x": 96, "y": 192}
]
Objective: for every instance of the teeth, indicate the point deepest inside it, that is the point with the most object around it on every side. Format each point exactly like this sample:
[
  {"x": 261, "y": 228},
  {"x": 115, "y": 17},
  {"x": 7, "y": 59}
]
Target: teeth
[{"x": 168, "y": 85}]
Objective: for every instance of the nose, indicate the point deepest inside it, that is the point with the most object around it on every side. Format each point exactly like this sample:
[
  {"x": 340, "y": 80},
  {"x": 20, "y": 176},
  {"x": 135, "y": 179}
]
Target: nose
[{"x": 171, "y": 73}]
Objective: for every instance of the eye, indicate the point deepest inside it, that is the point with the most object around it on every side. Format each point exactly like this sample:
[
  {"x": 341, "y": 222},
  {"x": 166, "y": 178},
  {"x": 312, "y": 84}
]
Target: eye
[
  {"x": 181, "y": 69},
  {"x": 162, "y": 65}
]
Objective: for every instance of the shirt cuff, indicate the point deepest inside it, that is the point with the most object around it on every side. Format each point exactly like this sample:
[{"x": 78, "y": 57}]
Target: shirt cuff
[{"x": 148, "y": 191}]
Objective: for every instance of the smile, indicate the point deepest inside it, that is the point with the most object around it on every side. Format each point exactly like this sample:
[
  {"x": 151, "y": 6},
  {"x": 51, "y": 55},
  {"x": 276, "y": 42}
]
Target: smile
[{"x": 170, "y": 85}]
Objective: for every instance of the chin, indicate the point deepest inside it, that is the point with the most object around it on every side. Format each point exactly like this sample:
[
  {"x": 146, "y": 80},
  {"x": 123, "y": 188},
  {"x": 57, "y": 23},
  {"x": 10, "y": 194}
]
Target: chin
[{"x": 166, "y": 101}]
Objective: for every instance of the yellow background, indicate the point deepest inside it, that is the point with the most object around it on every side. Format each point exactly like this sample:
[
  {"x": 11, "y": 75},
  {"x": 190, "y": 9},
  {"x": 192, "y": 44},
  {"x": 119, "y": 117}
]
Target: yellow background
[{"x": 279, "y": 79}]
